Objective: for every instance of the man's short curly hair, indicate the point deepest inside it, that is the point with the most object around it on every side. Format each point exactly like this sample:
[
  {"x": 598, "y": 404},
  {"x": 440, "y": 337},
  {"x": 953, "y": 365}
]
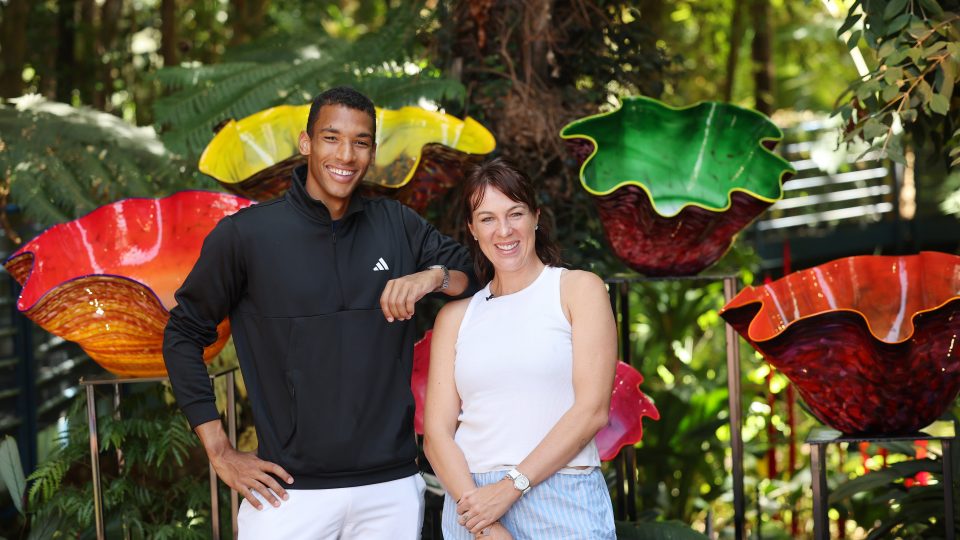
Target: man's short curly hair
[{"x": 341, "y": 95}]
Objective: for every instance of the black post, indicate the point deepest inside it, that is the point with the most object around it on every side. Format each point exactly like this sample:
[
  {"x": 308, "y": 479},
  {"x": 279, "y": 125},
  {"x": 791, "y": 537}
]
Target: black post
[
  {"x": 26, "y": 381},
  {"x": 821, "y": 520},
  {"x": 947, "y": 458}
]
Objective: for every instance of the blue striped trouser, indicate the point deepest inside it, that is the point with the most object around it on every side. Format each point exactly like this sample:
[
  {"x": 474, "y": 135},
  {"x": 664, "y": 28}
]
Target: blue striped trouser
[{"x": 564, "y": 507}]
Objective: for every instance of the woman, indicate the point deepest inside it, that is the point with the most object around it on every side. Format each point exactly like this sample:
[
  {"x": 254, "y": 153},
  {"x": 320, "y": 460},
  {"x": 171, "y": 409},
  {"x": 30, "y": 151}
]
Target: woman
[{"x": 520, "y": 380}]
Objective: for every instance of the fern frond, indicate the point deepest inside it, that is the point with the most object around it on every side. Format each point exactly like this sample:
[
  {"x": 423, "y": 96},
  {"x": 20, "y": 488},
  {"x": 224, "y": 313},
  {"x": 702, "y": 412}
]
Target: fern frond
[
  {"x": 397, "y": 92},
  {"x": 60, "y": 162},
  {"x": 276, "y": 70},
  {"x": 177, "y": 77}
]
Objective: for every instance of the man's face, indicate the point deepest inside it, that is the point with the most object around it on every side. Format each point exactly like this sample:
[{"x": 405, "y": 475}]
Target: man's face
[{"x": 338, "y": 155}]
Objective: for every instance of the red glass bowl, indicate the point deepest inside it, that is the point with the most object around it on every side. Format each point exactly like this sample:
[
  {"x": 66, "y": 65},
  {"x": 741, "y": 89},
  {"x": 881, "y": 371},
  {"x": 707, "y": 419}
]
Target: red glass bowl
[
  {"x": 868, "y": 341},
  {"x": 106, "y": 280},
  {"x": 628, "y": 405},
  {"x": 675, "y": 185}
]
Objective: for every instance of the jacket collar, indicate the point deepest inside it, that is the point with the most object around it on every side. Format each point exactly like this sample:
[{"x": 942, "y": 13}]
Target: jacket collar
[{"x": 312, "y": 208}]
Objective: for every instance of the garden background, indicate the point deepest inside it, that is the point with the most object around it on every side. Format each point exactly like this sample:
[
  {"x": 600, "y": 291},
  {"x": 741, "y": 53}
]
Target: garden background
[{"x": 109, "y": 99}]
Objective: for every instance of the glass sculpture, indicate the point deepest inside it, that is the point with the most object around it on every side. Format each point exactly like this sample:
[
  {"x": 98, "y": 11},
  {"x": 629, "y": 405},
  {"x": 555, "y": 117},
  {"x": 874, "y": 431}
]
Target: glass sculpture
[
  {"x": 420, "y": 154},
  {"x": 675, "y": 186},
  {"x": 106, "y": 280},
  {"x": 868, "y": 341}
]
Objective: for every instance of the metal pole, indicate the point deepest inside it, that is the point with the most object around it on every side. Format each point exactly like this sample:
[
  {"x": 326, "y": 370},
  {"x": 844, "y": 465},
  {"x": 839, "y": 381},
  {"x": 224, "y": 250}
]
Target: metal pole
[
  {"x": 947, "y": 458},
  {"x": 95, "y": 462},
  {"x": 618, "y": 463},
  {"x": 214, "y": 504},
  {"x": 631, "y": 470},
  {"x": 116, "y": 417},
  {"x": 625, "y": 322},
  {"x": 232, "y": 434},
  {"x": 736, "y": 411},
  {"x": 821, "y": 520}
]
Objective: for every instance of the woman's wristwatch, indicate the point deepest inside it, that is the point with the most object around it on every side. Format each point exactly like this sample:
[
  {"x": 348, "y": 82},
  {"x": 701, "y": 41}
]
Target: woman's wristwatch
[{"x": 520, "y": 482}]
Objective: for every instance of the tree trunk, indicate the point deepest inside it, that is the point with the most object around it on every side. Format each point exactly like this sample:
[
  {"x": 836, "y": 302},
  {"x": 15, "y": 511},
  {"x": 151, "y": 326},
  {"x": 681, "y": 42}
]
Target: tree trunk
[
  {"x": 762, "y": 54},
  {"x": 733, "y": 57},
  {"x": 86, "y": 53},
  {"x": 168, "y": 32},
  {"x": 536, "y": 27},
  {"x": 13, "y": 33},
  {"x": 109, "y": 23},
  {"x": 248, "y": 18},
  {"x": 66, "y": 49}
]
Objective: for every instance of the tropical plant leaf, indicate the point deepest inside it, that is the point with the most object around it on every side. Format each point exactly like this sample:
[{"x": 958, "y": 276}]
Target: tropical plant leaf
[
  {"x": 883, "y": 477},
  {"x": 59, "y": 162},
  {"x": 11, "y": 471}
]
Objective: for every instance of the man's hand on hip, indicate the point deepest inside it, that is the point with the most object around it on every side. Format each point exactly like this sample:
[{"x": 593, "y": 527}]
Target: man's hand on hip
[
  {"x": 400, "y": 296},
  {"x": 244, "y": 472}
]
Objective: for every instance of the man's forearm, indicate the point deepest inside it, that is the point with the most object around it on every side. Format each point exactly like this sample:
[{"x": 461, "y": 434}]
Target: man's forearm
[
  {"x": 213, "y": 438},
  {"x": 458, "y": 283}
]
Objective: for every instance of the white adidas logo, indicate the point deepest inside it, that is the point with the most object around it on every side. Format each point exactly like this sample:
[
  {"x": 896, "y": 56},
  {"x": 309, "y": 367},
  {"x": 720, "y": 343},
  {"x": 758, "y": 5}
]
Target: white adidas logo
[{"x": 381, "y": 265}]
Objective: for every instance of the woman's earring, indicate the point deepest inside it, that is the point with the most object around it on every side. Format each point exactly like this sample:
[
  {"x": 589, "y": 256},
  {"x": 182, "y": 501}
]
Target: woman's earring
[
  {"x": 537, "y": 228},
  {"x": 474, "y": 238}
]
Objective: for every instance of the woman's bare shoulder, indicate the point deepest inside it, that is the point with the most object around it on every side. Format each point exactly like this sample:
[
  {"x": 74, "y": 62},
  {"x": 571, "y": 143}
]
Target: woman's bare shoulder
[
  {"x": 451, "y": 314},
  {"x": 581, "y": 282}
]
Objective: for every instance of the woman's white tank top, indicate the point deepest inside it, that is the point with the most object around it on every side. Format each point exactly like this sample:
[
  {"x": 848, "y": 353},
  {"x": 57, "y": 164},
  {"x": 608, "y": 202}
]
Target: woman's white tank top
[{"x": 514, "y": 374}]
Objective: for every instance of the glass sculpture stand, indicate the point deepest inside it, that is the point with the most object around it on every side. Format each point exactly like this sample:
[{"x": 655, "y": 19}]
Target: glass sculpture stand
[
  {"x": 626, "y": 462},
  {"x": 229, "y": 374},
  {"x": 821, "y": 437}
]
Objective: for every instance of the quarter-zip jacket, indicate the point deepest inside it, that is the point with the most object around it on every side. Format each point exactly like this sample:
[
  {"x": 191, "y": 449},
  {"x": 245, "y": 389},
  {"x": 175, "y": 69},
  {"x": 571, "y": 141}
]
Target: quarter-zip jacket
[{"x": 328, "y": 378}]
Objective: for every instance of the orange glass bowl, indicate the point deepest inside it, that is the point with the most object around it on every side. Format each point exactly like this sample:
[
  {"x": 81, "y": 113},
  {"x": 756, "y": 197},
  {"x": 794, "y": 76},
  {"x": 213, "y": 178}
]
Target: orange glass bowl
[
  {"x": 675, "y": 185},
  {"x": 106, "y": 280},
  {"x": 420, "y": 154},
  {"x": 868, "y": 341},
  {"x": 628, "y": 405}
]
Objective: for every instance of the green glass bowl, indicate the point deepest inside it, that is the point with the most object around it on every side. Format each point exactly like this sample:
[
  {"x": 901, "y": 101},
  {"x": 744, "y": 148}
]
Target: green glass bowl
[{"x": 675, "y": 185}]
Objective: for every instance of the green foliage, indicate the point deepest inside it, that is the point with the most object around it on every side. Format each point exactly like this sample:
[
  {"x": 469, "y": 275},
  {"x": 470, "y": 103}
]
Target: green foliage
[
  {"x": 59, "y": 162},
  {"x": 811, "y": 64},
  {"x": 158, "y": 490},
  {"x": 886, "y": 499},
  {"x": 11, "y": 471},
  {"x": 275, "y": 72},
  {"x": 656, "y": 530},
  {"x": 917, "y": 64}
]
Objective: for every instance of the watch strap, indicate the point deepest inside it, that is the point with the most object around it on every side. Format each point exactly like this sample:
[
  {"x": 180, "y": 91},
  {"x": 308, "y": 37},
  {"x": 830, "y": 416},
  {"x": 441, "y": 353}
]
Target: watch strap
[{"x": 446, "y": 276}]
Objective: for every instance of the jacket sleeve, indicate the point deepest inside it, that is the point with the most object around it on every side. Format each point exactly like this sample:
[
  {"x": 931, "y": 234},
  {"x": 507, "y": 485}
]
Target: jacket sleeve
[
  {"x": 211, "y": 289},
  {"x": 433, "y": 247}
]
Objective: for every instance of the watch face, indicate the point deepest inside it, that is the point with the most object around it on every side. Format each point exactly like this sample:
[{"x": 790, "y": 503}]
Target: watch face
[{"x": 521, "y": 483}]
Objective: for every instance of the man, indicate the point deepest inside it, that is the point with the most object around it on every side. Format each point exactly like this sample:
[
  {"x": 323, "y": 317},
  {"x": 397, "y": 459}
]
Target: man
[{"x": 320, "y": 286}]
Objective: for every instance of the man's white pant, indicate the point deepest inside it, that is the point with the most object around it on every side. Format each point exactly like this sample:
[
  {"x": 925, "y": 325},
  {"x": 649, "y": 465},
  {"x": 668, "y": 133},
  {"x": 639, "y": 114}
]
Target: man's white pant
[{"x": 391, "y": 510}]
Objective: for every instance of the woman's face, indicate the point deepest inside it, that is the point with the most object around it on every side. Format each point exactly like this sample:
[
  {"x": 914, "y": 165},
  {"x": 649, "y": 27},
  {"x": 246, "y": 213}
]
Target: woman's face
[{"x": 505, "y": 230}]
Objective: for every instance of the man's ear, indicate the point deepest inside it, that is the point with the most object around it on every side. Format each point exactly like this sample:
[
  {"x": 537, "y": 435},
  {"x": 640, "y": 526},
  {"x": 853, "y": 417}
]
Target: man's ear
[{"x": 303, "y": 143}]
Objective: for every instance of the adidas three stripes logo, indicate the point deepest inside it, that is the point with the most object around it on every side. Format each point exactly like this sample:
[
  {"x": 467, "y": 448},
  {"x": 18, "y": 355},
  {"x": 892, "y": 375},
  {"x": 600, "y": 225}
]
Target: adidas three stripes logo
[{"x": 381, "y": 265}]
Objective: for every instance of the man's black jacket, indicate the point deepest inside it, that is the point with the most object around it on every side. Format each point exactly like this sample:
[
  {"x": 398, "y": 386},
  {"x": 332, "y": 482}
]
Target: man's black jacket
[{"x": 328, "y": 378}]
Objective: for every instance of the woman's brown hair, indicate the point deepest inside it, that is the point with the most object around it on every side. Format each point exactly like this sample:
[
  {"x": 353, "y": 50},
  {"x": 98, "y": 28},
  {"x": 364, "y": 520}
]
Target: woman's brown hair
[{"x": 503, "y": 176}]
